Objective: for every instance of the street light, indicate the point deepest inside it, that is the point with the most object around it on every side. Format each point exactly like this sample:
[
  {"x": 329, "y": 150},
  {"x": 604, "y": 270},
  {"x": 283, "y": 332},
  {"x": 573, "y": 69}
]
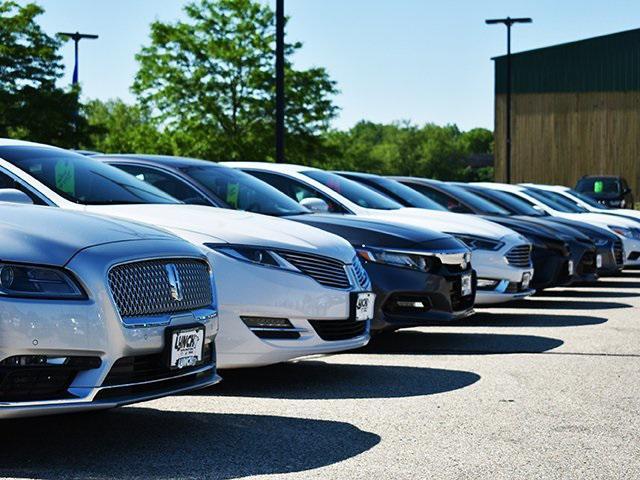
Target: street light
[
  {"x": 76, "y": 37},
  {"x": 508, "y": 22},
  {"x": 280, "y": 100}
]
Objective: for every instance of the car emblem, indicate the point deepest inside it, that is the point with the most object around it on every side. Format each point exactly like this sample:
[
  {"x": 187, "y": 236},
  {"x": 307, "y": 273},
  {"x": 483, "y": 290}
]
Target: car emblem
[{"x": 175, "y": 284}]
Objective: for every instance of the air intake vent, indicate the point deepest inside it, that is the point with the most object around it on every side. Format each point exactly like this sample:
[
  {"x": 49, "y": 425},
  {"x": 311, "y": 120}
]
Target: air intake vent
[
  {"x": 326, "y": 271},
  {"x": 156, "y": 287},
  {"x": 519, "y": 256}
]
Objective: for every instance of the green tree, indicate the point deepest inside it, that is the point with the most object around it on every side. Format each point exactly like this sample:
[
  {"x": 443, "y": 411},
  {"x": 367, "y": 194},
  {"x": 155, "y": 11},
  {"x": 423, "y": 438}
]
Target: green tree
[
  {"x": 211, "y": 78},
  {"x": 31, "y": 106}
]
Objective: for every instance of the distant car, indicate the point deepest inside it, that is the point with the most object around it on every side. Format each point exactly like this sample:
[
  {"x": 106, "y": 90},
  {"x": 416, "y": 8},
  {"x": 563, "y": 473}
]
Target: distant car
[
  {"x": 609, "y": 190},
  {"x": 97, "y": 313},
  {"x": 420, "y": 277}
]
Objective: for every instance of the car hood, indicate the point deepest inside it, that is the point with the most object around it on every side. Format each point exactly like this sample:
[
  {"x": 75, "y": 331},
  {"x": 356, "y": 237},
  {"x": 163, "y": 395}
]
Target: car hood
[
  {"x": 546, "y": 227},
  {"x": 454, "y": 223},
  {"x": 602, "y": 219},
  {"x": 192, "y": 222},
  {"x": 587, "y": 229},
  {"x": 52, "y": 236},
  {"x": 373, "y": 232}
]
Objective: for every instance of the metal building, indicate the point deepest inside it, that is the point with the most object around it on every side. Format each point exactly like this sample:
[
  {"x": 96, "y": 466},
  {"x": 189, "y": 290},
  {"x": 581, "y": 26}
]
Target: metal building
[{"x": 575, "y": 111}]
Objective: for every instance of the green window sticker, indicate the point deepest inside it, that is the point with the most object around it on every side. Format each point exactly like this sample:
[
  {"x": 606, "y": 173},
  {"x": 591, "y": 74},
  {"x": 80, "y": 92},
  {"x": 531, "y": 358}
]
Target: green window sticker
[
  {"x": 233, "y": 190},
  {"x": 598, "y": 186},
  {"x": 65, "y": 177}
]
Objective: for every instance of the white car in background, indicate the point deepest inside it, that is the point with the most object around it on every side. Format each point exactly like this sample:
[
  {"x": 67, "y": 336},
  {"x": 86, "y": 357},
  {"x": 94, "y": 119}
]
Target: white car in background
[
  {"x": 547, "y": 201},
  {"x": 501, "y": 257},
  {"x": 286, "y": 289},
  {"x": 98, "y": 312}
]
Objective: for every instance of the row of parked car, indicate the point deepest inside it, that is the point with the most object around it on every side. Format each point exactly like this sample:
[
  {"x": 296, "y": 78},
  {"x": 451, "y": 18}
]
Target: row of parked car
[{"x": 129, "y": 277}]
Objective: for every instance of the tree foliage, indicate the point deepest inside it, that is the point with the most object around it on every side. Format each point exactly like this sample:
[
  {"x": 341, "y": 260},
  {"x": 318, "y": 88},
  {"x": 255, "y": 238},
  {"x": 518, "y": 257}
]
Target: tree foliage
[
  {"x": 31, "y": 106},
  {"x": 211, "y": 78}
]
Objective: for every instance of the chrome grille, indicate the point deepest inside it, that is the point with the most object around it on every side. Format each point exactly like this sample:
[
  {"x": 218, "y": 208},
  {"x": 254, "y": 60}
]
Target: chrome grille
[
  {"x": 144, "y": 288},
  {"x": 326, "y": 271},
  {"x": 519, "y": 256},
  {"x": 360, "y": 274}
]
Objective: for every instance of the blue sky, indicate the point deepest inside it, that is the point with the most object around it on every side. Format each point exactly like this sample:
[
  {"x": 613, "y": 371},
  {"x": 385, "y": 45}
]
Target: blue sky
[{"x": 418, "y": 60}]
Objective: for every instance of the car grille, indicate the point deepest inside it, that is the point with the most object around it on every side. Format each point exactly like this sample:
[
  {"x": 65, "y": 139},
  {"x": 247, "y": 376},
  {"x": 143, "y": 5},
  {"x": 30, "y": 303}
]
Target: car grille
[
  {"x": 360, "y": 274},
  {"x": 145, "y": 368},
  {"x": 144, "y": 288},
  {"x": 519, "y": 256},
  {"x": 333, "y": 330},
  {"x": 326, "y": 271},
  {"x": 618, "y": 252}
]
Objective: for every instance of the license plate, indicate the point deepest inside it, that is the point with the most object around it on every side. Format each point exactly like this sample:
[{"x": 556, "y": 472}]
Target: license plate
[
  {"x": 466, "y": 285},
  {"x": 364, "y": 306},
  {"x": 598, "y": 261},
  {"x": 186, "y": 347},
  {"x": 526, "y": 280}
]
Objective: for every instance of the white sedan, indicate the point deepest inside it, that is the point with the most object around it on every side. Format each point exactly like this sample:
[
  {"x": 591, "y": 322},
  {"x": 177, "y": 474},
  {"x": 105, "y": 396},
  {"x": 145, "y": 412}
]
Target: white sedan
[{"x": 285, "y": 289}]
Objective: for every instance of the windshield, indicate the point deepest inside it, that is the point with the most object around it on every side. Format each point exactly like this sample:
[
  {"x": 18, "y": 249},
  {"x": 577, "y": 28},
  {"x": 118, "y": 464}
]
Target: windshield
[
  {"x": 515, "y": 205},
  {"x": 478, "y": 203},
  {"x": 353, "y": 191},
  {"x": 555, "y": 201},
  {"x": 598, "y": 186},
  {"x": 242, "y": 191},
  {"x": 587, "y": 199},
  {"x": 81, "y": 179},
  {"x": 407, "y": 194}
]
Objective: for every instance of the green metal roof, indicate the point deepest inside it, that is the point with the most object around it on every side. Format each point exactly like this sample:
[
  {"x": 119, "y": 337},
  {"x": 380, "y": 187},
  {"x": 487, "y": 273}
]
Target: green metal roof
[{"x": 599, "y": 64}]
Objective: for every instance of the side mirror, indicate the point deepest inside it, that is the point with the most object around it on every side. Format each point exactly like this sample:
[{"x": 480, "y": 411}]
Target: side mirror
[
  {"x": 11, "y": 195},
  {"x": 314, "y": 204}
]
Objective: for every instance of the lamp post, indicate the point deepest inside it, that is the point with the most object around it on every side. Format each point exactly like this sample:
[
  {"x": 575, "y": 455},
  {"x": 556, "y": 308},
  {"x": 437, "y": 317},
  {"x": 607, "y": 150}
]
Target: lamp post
[
  {"x": 76, "y": 37},
  {"x": 280, "y": 100},
  {"x": 508, "y": 22}
]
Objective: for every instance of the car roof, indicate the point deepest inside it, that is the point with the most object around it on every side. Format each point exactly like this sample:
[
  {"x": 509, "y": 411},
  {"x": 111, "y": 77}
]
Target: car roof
[
  {"x": 424, "y": 181},
  {"x": 602, "y": 176},
  {"x": 273, "y": 167},
  {"x": 10, "y": 142},
  {"x": 165, "y": 160}
]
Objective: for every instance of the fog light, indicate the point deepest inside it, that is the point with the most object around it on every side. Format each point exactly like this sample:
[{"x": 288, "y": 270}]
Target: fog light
[{"x": 409, "y": 304}]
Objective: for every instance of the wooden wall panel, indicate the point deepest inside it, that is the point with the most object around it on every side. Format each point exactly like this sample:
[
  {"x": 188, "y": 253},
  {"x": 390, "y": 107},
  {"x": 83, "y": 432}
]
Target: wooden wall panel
[{"x": 559, "y": 137}]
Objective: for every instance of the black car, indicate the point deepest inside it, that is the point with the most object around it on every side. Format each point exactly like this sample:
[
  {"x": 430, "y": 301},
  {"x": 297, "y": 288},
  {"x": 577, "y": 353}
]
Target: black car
[
  {"x": 609, "y": 190},
  {"x": 420, "y": 277},
  {"x": 558, "y": 258},
  {"x": 608, "y": 245}
]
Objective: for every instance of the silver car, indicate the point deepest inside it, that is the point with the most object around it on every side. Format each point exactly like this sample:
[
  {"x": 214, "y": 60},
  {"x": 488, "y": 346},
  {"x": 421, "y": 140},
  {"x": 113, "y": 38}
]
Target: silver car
[{"x": 97, "y": 313}]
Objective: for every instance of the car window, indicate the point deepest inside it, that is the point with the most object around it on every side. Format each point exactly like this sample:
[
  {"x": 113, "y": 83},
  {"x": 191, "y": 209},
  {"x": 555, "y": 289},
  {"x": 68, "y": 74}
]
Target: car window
[
  {"x": 447, "y": 201},
  {"x": 509, "y": 201},
  {"x": 7, "y": 181},
  {"x": 358, "y": 194},
  {"x": 401, "y": 193},
  {"x": 587, "y": 199},
  {"x": 598, "y": 185},
  {"x": 166, "y": 182},
  {"x": 242, "y": 191},
  {"x": 296, "y": 189},
  {"x": 81, "y": 179},
  {"x": 555, "y": 201}
]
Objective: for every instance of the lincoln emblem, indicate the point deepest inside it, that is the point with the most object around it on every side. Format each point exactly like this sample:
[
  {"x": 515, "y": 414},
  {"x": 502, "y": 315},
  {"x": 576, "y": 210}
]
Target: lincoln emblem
[{"x": 174, "y": 282}]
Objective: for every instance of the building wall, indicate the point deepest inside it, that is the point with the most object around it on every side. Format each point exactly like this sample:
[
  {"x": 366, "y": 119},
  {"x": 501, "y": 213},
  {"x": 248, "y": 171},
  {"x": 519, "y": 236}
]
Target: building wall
[{"x": 559, "y": 137}]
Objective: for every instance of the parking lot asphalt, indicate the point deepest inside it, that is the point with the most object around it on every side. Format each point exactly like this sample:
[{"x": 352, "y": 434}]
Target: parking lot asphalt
[{"x": 543, "y": 388}]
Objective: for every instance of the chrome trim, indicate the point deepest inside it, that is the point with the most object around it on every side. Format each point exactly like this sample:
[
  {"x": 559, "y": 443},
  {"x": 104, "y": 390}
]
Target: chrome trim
[
  {"x": 277, "y": 329},
  {"x": 447, "y": 257},
  {"x": 204, "y": 368}
]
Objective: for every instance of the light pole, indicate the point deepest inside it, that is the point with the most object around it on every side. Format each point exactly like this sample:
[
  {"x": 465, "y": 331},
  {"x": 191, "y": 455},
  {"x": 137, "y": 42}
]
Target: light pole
[
  {"x": 76, "y": 37},
  {"x": 508, "y": 22},
  {"x": 280, "y": 100}
]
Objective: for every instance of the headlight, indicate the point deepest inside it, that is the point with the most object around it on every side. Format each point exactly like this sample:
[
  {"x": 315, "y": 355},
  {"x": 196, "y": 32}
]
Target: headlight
[
  {"x": 422, "y": 263},
  {"x": 37, "y": 282},
  {"x": 259, "y": 256},
  {"x": 479, "y": 243},
  {"x": 625, "y": 232}
]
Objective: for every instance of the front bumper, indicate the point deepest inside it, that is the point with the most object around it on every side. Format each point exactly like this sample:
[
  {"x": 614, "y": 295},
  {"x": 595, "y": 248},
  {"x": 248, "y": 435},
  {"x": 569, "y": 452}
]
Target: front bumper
[
  {"x": 492, "y": 265},
  {"x": 439, "y": 294},
  {"x": 92, "y": 329},
  {"x": 631, "y": 252},
  {"x": 255, "y": 292}
]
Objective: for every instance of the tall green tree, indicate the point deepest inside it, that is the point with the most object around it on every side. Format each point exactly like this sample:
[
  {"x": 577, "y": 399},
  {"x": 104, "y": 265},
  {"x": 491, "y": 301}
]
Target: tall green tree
[
  {"x": 31, "y": 106},
  {"x": 211, "y": 78}
]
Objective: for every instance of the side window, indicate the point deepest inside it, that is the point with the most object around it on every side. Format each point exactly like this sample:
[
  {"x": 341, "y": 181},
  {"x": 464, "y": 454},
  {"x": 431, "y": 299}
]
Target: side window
[
  {"x": 296, "y": 190},
  {"x": 7, "y": 182},
  {"x": 165, "y": 182}
]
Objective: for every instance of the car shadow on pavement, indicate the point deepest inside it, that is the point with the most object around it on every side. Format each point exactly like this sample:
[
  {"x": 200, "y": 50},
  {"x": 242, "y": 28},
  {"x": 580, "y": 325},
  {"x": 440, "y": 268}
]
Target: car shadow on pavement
[
  {"x": 584, "y": 293},
  {"x": 537, "y": 304},
  {"x": 311, "y": 379},
  {"x": 143, "y": 443},
  {"x": 412, "y": 342},
  {"x": 486, "y": 319}
]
